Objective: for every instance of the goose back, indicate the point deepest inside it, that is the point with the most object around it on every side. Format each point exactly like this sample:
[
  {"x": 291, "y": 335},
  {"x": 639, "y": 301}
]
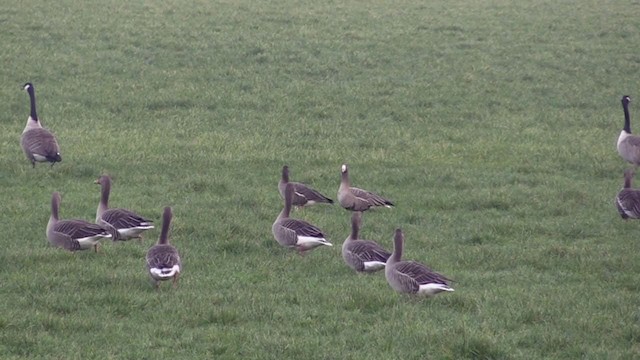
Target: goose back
[
  {"x": 163, "y": 259},
  {"x": 362, "y": 255},
  {"x": 356, "y": 199},
  {"x": 303, "y": 195},
  {"x": 410, "y": 276}
]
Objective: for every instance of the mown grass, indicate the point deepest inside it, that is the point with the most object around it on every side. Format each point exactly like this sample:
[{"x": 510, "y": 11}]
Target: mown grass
[{"x": 491, "y": 124}]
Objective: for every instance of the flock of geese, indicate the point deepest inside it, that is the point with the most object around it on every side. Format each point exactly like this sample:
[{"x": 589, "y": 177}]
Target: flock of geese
[{"x": 163, "y": 259}]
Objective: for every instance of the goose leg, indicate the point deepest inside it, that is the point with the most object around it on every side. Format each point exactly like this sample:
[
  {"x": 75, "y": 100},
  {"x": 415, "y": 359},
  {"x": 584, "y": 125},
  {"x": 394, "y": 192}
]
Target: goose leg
[{"x": 175, "y": 280}]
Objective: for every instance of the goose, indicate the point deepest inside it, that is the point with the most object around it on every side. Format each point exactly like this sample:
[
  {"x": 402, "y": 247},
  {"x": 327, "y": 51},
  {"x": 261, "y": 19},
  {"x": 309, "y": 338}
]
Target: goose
[
  {"x": 73, "y": 234},
  {"x": 628, "y": 199},
  {"x": 303, "y": 195},
  {"x": 294, "y": 233},
  {"x": 125, "y": 224},
  {"x": 362, "y": 255},
  {"x": 410, "y": 276},
  {"x": 354, "y": 199},
  {"x": 628, "y": 144},
  {"x": 163, "y": 260},
  {"x": 38, "y": 144}
]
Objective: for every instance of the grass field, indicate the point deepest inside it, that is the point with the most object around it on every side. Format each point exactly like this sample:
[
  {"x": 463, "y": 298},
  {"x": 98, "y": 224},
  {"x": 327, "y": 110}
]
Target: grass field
[{"x": 491, "y": 125}]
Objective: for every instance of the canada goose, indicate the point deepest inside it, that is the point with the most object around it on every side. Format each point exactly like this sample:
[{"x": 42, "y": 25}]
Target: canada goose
[
  {"x": 628, "y": 199},
  {"x": 128, "y": 224},
  {"x": 628, "y": 144},
  {"x": 163, "y": 260},
  {"x": 362, "y": 255},
  {"x": 410, "y": 276},
  {"x": 354, "y": 199},
  {"x": 72, "y": 234},
  {"x": 296, "y": 233},
  {"x": 303, "y": 195},
  {"x": 38, "y": 144}
]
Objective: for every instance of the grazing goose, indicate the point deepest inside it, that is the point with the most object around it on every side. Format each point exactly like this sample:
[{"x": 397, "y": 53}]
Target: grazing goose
[
  {"x": 354, "y": 199},
  {"x": 128, "y": 225},
  {"x": 296, "y": 233},
  {"x": 302, "y": 194},
  {"x": 628, "y": 199},
  {"x": 163, "y": 260},
  {"x": 628, "y": 145},
  {"x": 362, "y": 255},
  {"x": 410, "y": 276},
  {"x": 72, "y": 234},
  {"x": 38, "y": 144}
]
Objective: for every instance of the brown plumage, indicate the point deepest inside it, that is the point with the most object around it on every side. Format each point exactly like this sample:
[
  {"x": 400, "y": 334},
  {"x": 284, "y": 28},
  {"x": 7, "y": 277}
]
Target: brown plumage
[
  {"x": 294, "y": 233},
  {"x": 355, "y": 199},
  {"x": 303, "y": 195},
  {"x": 38, "y": 144},
  {"x": 628, "y": 199},
  {"x": 362, "y": 255},
  {"x": 125, "y": 224},
  {"x": 163, "y": 259},
  {"x": 410, "y": 276},
  {"x": 73, "y": 234}
]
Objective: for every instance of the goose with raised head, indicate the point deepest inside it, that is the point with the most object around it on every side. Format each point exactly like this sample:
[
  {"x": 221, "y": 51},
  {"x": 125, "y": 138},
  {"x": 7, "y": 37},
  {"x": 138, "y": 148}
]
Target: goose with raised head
[
  {"x": 362, "y": 255},
  {"x": 303, "y": 195},
  {"x": 628, "y": 144},
  {"x": 163, "y": 259},
  {"x": 628, "y": 199},
  {"x": 355, "y": 199},
  {"x": 125, "y": 224},
  {"x": 73, "y": 234},
  {"x": 410, "y": 276},
  {"x": 294, "y": 233},
  {"x": 38, "y": 143}
]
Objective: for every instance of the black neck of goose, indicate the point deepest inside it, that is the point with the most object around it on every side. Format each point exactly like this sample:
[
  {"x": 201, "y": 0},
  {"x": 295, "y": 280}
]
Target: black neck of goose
[
  {"x": 628, "y": 181},
  {"x": 285, "y": 174},
  {"x": 398, "y": 243},
  {"x": 32, "y": 98},
  {"x": 166, "y": 222},
  {"x": 627, "y": 117},
  {"x": 355, "y": 225}
]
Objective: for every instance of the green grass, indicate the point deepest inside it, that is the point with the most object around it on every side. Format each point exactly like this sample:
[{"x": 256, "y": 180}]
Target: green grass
[{"x": 491, "y": 125}]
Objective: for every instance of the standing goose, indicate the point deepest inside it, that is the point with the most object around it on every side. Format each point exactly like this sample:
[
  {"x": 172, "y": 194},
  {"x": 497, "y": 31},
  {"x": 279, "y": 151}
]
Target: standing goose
[
  {"x": 628, "y": 199},
  {"x": 163, "y": 260},
  {"x": 362, "y": 255},
  {"x": 410, "y": 276},
  {"x": 354, "y": 199},
  {"x": 628, "y": 144},
  {"x": 38, "y": 144},
  {"x": 72, "y": 234},
  {"x": 302, "y": 194},
  {"x": 296, "y": 233},
  {"x": 126, "y": 223}
]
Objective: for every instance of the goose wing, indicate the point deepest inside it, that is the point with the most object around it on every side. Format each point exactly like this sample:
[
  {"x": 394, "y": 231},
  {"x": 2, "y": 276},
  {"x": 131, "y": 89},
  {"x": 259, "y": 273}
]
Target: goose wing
[
  {"x": 41, "y": 142},
  {"x": 372, "y": 198},
  {"x": 367, "y": 250},
  {"x": 628, "y": 203},
  {"x": 124, "y": 219},
  {"x": 415, "y": 274},
  {"x": 162, "y": 256}
]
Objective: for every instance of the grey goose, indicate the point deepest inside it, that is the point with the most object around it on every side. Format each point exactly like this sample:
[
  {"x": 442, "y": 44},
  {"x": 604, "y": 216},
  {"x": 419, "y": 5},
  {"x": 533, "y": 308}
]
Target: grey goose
[
  {"x": 73, "y": 234},
  {"x": 163, "y": 259},
  {"x": 303, "y": 195},
  {"x": 355, "y": 199},
  {"x": 628, "y": 199},
  {"x": 125, "y": 224},
  {"x": 410, "y": 276},
  {"x": 294, "y": 233},
  {"x": 38, "y": 143},
  {"x": 362, "y": 255},
  {"x": 628, "y": 144}
]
